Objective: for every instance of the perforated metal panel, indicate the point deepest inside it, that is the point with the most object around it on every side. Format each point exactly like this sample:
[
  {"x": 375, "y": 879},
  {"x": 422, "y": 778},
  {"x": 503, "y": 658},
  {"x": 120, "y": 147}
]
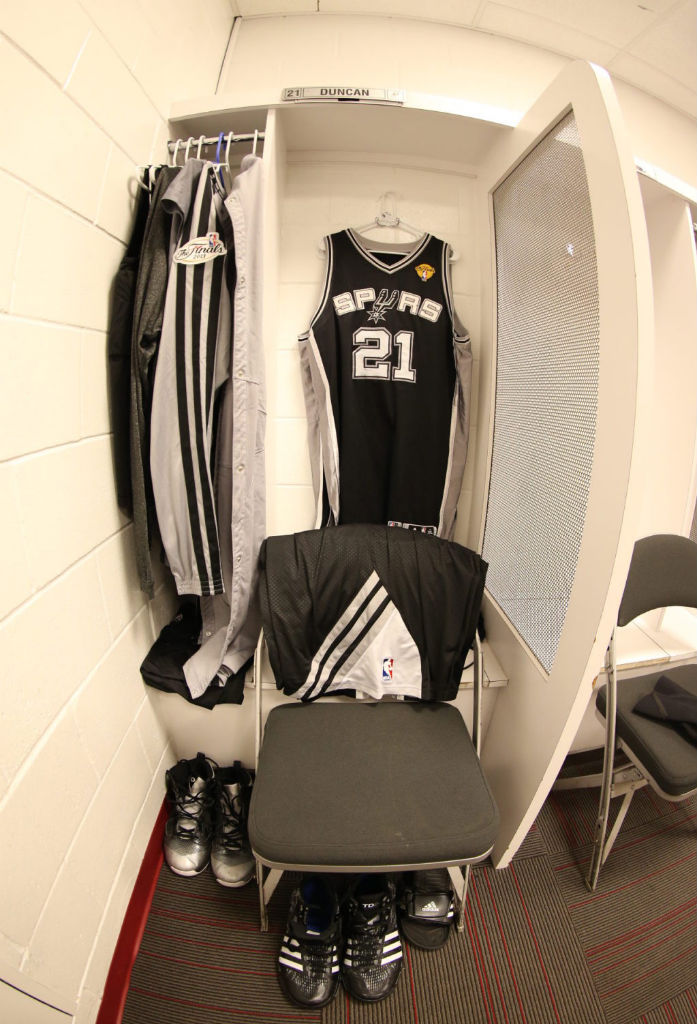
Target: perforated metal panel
[{"x": 546, "y": 387}]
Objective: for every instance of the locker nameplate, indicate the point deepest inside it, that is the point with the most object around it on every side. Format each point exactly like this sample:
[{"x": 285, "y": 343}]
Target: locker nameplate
[{"x": 343, "y": 94}]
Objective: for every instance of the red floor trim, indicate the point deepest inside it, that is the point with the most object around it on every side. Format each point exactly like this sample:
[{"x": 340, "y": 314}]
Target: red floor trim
[{"x": 128, "y": 943}]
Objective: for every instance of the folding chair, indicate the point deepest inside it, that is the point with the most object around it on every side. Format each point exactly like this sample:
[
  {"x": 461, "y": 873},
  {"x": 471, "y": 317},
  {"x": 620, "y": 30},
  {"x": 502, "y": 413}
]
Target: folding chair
[
  {"x": 662, "y": 573},
  {"x": 356, "y": 785}
]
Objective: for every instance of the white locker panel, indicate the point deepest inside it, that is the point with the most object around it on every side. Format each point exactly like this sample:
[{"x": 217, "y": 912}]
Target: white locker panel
[
  {"x": 546, "y": 386},
  {"x": 567, "y": 332}
]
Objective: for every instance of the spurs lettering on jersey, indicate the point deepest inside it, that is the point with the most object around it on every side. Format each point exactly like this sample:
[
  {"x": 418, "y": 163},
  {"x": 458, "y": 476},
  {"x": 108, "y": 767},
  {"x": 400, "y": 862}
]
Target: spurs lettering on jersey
[{"x": 402, "y": 301}]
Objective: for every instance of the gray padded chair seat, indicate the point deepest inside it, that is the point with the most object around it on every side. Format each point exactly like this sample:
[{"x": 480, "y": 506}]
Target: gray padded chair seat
[
  {"x": 669, "y": 758},
  {"x": 398, "y": 813}
]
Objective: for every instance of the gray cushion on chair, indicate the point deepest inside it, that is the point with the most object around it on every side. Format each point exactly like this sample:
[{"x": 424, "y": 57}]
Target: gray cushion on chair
[
  {"x": 669, "y": 758},
  {"x": 340, "y": 784}
]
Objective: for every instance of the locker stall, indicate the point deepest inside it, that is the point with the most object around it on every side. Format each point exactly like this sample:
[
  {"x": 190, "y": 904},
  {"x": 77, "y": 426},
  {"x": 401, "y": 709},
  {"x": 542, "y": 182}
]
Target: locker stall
[
  {"x": 562, "y": 277},
  {"x": 564, "y": 197}
]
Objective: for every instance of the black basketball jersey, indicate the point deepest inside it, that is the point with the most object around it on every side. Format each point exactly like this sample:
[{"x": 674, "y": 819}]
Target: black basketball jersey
[{"x": 387, "y": 372}]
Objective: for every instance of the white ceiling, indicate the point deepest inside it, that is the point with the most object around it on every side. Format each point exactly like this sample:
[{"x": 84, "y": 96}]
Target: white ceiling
[{"x": 652, "y": 44}]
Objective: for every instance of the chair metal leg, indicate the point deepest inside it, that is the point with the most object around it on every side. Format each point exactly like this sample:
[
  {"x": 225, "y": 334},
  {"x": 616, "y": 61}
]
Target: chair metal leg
[
  {"x": 258, "y": 655},
  {"x": 621, "y": 815},
  {"x": 263, "y": 916},
  {"x": 477, "y": 695},
  {"x": 599, "y": 854},
  {"x": 460, "y": 878},
  {"x": 266, "y": 890}
]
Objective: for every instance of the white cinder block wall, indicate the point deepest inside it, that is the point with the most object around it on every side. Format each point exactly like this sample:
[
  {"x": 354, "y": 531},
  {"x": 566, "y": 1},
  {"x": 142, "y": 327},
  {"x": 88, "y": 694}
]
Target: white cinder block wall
[{"x": 86, "y": 89}]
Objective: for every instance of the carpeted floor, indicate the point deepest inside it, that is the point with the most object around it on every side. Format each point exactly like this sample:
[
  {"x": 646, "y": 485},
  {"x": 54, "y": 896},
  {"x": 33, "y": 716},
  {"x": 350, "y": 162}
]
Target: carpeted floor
[{"x": 538, "y": 948}]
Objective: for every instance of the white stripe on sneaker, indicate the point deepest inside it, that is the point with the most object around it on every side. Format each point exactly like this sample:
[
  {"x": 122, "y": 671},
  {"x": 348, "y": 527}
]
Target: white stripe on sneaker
[
  {"x": 294, "y": 964},
  {"x": 390, "y": 959}
]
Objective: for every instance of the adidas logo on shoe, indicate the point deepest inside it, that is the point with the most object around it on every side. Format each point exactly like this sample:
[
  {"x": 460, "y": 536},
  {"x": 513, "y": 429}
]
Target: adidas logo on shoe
[
  {"x": 427, "y": 908},
  {"x": 390, "y": 950}
]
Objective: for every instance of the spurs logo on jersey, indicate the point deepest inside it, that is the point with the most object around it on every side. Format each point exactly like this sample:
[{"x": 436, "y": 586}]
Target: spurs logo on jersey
[
  {"x": 387, "y": 377},
  {"x": 381, "y": 305}
]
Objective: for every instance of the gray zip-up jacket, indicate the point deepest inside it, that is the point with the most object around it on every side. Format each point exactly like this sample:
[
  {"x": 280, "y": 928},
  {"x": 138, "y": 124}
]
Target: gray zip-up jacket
[{"x": 231, "y": 621}]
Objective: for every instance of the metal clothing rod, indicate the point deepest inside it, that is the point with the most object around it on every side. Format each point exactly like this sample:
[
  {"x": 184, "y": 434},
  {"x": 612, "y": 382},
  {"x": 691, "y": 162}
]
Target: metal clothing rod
[{"x": 213, "y": 141}]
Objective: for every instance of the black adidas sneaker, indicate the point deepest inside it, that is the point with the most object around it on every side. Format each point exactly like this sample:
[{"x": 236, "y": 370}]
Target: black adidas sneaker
[
  {"x": 372, "y": 957},
  {"x": 427, "y": 908},
  {"x": 308, "y": 963}
]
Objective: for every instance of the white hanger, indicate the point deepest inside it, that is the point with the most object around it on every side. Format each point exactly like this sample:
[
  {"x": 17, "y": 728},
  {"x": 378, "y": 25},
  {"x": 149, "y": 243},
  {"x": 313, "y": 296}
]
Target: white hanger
[
  {"x": 387, "y": 218},
  {"x": 177, "y": 144},
  {"x": 198, "y": 148}
]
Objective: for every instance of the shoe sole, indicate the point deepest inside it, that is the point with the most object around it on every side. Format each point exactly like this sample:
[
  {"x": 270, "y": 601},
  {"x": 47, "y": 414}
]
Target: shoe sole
[
  {"x": 441, "y": 931},
  {"x": 375, "y": 999},
  {"x": 187, "y": 874},
  {"x": 234, "y": 885}
]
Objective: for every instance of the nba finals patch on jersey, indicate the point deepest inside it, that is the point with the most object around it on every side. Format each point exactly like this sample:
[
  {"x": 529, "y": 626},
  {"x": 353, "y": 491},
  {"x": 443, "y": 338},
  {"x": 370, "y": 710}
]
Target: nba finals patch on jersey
[
  {"x": 425, "y": 271},
  {"x": 201, "y": 249}
]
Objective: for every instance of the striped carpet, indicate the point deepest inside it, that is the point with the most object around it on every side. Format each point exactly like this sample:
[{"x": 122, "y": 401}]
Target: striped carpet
[{"x": 538, "y": 948}]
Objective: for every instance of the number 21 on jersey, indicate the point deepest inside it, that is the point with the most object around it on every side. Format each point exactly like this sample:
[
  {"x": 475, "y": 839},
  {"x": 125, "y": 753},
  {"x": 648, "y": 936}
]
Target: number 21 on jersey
[{"x": 372, "y": 351}]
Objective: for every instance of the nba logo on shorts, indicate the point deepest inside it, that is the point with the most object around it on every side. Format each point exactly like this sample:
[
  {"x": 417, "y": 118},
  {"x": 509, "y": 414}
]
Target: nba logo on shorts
[{"x": 387, "y": 666}]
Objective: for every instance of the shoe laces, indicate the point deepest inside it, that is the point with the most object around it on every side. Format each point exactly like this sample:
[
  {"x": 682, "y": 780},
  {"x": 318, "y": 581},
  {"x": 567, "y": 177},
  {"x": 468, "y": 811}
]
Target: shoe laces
[
  {"x": 192, "y": 820},
  {"x": 318, "y": 951},
  {"x": 318, "y": 956},
  {"x": 230, "y": 827},
  {"x": 368, "y": 923}
]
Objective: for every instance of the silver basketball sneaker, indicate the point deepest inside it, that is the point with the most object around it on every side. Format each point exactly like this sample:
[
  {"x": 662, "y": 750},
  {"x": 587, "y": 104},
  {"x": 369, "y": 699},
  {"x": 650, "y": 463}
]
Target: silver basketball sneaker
[
  {"x": 189, "y": 828},
  {"x": 232, "y": 862}
]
